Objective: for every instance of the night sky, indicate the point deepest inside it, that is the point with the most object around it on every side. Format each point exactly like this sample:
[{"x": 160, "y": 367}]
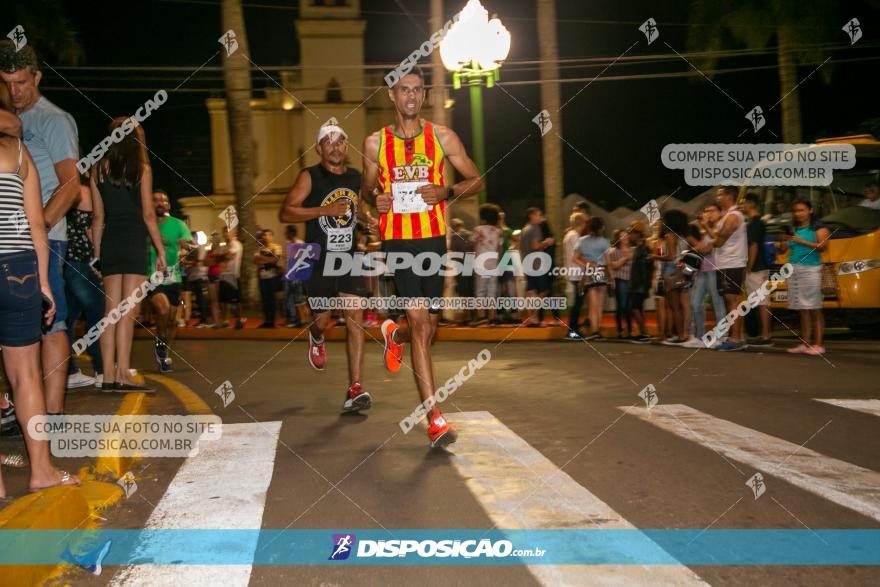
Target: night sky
[{"x": 620, "y": 125}]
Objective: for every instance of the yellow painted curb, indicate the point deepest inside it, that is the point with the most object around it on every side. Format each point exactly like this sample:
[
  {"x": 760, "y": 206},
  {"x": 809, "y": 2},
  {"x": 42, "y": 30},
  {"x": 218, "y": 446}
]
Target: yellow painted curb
[
  {"x": 134, "y": 404},
  {"x": 67, "y": 508},
  {"x": 191, "y": 402}
]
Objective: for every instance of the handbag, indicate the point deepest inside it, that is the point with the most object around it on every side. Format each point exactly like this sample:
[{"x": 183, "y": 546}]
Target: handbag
[{"x": 829, "y": 282}]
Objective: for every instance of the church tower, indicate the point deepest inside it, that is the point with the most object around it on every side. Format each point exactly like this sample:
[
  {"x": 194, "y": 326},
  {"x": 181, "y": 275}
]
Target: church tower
[{"x": 330, "y": 81}]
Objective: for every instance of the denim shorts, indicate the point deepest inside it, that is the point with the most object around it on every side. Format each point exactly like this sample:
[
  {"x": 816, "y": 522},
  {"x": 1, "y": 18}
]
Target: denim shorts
[
  {"x": 20, "y": 299},
  {"x": 57, "y": 252}
]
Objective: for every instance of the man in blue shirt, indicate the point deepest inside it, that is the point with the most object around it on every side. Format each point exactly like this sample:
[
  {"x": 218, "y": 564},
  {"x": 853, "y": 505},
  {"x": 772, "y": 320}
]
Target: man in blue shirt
[{"x": 50, "y": 136}]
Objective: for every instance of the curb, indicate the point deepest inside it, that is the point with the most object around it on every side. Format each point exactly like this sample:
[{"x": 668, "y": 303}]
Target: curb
[{"x": 67, "y": 508}]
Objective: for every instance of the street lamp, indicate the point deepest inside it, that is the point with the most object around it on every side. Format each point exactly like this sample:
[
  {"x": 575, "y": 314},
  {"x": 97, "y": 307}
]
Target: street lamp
[{"x": 473, "y": 50}]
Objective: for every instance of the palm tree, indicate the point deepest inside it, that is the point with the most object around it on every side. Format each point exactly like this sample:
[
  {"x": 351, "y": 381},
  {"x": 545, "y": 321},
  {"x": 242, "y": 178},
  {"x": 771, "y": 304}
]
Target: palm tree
[
  {"x": 797, "y": 27},
  {"x": 551, "y": 143},
  {"x": 237, "y": 80}
]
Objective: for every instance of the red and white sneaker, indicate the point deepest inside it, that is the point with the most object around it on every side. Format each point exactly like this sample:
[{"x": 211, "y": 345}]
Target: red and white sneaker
[
  {"x": 357, "y": 399},
  {"x": 440, "y": 432},
  {"x": 393, "y": 354},
  {"x": 317, "y": 353}
]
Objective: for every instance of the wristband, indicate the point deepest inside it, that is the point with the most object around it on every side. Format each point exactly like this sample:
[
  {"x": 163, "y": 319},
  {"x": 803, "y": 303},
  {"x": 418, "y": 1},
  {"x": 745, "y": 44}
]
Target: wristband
[{"x": 450, "y": 193}]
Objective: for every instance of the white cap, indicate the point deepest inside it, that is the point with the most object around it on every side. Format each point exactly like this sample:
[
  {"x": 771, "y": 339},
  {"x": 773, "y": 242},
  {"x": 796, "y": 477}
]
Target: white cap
[{"x": 330, "y": 127}]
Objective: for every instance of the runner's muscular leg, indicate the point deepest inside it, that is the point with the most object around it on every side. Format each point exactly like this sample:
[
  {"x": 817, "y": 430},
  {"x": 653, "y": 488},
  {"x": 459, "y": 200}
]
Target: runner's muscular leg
[
  {"x": 319, "y": 324},
  {"x": 354, "y": 325},
  {"x": 421, "y": 332}
]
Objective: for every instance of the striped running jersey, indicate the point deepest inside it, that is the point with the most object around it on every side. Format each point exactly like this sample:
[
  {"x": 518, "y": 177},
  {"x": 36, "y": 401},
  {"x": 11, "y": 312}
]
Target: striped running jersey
[{"x": 409, "y": 163}]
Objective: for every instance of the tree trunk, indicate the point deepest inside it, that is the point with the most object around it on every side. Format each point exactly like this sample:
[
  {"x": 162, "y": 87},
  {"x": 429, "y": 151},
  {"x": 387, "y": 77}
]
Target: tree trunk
[
  {"x": 791, "y": 100},
  {"x": 237, "y": 80},
  {"x": 551, "y": 142}
]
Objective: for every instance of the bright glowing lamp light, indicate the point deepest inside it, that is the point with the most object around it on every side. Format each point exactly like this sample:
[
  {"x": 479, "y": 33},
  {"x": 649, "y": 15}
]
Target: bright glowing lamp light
[
  {"x": 201, "y": 238},
  {"x": 475, "y": 42}
]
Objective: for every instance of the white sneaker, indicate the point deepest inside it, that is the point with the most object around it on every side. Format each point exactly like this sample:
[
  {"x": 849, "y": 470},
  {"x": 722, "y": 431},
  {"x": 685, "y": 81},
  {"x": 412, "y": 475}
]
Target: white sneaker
[
  {"x": 693, "y": 343},
  {"x": 79, "y": 379}
]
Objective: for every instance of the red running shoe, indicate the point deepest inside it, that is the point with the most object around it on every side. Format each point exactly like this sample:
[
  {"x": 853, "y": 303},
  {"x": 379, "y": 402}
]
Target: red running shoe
[
  {"x": 440, "y": 432},
  {"x": 393, "y": 354},
  {"x": 317, "y": 353},
  {"x": 357, "y": 399}
]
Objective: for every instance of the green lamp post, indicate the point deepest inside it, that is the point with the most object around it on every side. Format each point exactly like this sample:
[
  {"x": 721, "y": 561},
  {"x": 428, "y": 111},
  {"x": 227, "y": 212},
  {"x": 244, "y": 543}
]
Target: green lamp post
[{"x": 473, "y": 51}]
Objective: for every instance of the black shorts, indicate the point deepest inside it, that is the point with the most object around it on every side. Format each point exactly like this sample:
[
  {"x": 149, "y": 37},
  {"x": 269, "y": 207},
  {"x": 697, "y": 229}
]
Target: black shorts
[
  {"x": 730, "y": 281},
  {"x": 406, "y": 282},
  {"x": 228, "y": 292},
  {"x": 171, "y": 291},
  {"x": 321, "y": 286},
  {"x": 539, "y": 283}
]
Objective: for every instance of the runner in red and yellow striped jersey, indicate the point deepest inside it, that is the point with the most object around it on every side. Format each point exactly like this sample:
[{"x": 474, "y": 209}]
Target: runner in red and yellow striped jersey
[{"x": 405, "y": 162}]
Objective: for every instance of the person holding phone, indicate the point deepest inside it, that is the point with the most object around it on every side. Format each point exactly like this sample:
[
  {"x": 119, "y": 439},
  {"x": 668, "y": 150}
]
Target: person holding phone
[
  {"x": 806, "y": 240},
  {"x": 24, "y": 289}
]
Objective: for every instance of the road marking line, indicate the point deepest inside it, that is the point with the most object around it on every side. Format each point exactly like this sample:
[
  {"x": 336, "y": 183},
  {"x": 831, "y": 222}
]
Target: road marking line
[
  {"x": 213, "y": 490},
  {"x": 843, "y": 483},
  {"x": 191, "y": 401},
  {"x": 866, "y": 406},
  {"x": 503, "y": 472}
]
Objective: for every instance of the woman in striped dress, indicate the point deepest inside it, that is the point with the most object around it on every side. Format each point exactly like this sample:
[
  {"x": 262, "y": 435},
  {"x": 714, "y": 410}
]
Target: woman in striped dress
[{"x": 24, "y": 261}]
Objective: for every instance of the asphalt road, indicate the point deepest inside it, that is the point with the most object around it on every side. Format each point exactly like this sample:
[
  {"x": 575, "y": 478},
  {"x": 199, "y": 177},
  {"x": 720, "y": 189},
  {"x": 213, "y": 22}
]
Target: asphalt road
[{"x": 572, "y": 404}]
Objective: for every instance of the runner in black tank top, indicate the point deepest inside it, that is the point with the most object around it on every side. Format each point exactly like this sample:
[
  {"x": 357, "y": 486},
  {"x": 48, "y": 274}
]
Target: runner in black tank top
[{"x": 325, "y": 198}]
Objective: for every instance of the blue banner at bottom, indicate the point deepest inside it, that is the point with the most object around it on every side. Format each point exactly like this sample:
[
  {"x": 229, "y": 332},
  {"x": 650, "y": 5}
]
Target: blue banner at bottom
[{"x": 441, "y": 547}]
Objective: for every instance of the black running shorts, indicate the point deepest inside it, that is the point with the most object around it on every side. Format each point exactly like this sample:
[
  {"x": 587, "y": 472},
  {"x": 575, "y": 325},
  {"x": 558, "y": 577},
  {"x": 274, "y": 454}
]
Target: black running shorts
[
  {"x": 407, "y": 283},
  {"x": 321, "y": 286}
]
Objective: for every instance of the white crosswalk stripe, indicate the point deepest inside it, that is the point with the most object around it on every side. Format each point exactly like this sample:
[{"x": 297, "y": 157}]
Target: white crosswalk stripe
[
  {"x": 843, "y": 483},
  {"x": 521, "y": 489},
  {"x": 866, "y": 406},
  {"x": 208, "y": 492}
]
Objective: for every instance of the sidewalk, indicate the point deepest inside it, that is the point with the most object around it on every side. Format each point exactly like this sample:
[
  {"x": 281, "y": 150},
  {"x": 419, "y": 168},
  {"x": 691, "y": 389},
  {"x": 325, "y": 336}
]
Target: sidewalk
[{"x": 83, "y": 507}]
